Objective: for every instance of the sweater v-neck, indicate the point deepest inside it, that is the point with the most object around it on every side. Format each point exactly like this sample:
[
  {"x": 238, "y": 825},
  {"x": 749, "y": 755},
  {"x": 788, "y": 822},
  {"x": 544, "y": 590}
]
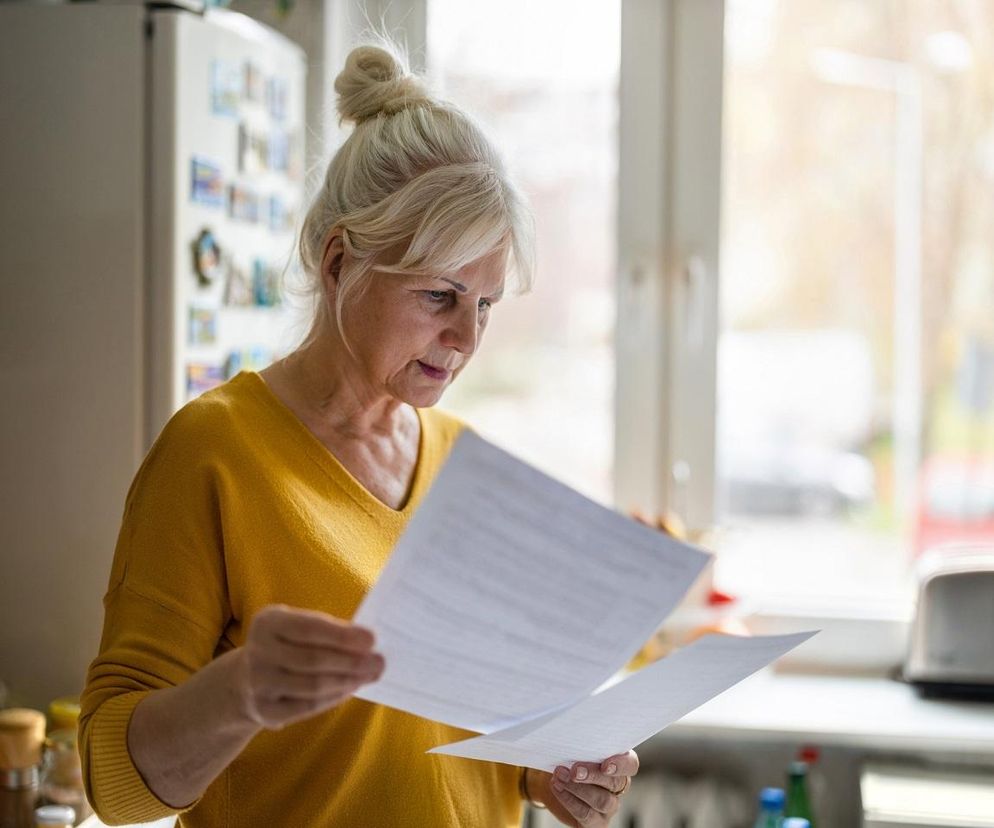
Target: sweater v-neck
[{"x": 333, "y": 467}]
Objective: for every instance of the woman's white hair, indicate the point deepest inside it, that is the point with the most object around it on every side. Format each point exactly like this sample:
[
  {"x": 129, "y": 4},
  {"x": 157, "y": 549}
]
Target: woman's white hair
[{"x": 416, "y": 171}]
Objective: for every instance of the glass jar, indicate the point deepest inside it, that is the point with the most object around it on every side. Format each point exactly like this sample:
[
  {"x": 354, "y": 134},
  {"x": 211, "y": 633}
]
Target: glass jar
[
  {"x": 21, "y": 734},
  {"x": 61, "y": 780}
]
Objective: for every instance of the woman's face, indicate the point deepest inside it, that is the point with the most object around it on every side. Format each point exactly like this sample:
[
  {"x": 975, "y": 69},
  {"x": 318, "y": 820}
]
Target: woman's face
[{"x": 413, "y": 335}]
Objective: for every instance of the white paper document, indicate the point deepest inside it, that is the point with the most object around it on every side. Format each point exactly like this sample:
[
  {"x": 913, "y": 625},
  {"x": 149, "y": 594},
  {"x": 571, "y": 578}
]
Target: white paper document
[
  {"x": 510, "y": 595},
  {"x": 629, "y": 712},
  {"x": 510, "y": 599}
]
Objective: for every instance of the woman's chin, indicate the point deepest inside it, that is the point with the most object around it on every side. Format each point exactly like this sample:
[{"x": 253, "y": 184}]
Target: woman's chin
[{"x": 422, "y": 396}]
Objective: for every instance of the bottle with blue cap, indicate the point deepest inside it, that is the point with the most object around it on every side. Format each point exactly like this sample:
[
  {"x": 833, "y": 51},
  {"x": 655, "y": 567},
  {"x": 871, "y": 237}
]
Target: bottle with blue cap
[
  {"x": 771, "y": 802},
  {"x": 795, "y": 822}
]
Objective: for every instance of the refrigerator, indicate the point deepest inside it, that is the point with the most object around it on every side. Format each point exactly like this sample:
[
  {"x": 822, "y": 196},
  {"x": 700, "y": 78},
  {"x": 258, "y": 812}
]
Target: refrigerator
[{"x": 151, "y": 160}]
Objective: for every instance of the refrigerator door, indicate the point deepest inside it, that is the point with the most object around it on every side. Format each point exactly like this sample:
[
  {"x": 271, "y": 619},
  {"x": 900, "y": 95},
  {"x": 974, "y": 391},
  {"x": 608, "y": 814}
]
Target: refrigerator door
[{"x": 226, "y": 186}]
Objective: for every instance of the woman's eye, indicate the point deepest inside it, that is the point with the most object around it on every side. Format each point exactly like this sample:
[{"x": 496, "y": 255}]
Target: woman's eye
[
  {"x": 484, "y": 305},
  {"x": 437, "y": 297}
]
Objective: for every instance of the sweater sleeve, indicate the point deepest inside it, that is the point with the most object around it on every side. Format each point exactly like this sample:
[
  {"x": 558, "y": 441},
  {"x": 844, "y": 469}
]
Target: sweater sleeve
[{"x": 165, "y": 609}]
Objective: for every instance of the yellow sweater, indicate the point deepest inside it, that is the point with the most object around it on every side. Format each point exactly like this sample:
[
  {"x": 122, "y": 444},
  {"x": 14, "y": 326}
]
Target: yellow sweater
[{"x": 237, "y": 506}]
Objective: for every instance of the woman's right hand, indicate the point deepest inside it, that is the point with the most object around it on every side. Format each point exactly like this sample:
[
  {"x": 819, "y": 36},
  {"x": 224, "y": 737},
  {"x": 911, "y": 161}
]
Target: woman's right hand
[{"x": 297, "y": 663}]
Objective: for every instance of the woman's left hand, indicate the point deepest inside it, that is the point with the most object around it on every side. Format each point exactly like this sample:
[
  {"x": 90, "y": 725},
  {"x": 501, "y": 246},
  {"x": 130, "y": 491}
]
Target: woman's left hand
[{"x": 587, "y": 794}]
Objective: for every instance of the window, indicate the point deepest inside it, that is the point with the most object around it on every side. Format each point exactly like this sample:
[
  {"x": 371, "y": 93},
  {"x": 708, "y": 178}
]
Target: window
[
  {"x": 855, "y": 385},
  {"x": 805, "y": 355},
  {"x": 542, "y": 383}
]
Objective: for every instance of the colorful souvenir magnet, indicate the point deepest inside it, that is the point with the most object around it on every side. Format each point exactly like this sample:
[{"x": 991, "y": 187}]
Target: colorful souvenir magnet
[
  {"x": 265, "y": 284},
  {"x": 206, "y": 183},
  {"x": 279, "y": 216},
  {"x": 238, "y": 288},
  {"x": 243, "y": 204},
  {"x": 203, "y": 326},
  {"x": 248, "y": 359},
  {"x": 202, "y": 376},
  {"x": 243, "y": 145},
  {"x": 226, "y": 88},
  {"x": 276, "y": 97},
  {"x": 254, "y": 82},
  {"x": 253, "y": 150},
  {"x": 279, "y": 151},
  {"x": 206, "y": 258},
  {"x": 295, "y": 159}
]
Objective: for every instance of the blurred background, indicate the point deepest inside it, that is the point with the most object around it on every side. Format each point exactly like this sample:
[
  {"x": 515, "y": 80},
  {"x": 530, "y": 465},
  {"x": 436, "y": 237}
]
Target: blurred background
[
  {"x": 763, "y": 317},
  {"x": 855, "y": 378}
]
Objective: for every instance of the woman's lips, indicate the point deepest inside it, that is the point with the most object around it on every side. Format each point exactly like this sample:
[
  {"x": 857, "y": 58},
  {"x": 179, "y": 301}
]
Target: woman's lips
[{"x": 433, "y": 372}]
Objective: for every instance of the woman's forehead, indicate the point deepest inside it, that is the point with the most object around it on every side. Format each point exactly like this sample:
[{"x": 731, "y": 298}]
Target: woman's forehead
[{"x": 485, "y": 274}]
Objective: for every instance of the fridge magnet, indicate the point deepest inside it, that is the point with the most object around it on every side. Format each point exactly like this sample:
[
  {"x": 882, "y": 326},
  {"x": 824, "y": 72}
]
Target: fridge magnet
[
  {"x": 206, "y": 183},
  {"x": 253, "y": 150},
  {"x": 248, "y": 359},
  {"x": 243, "y": 144},
  {"x": 295, "y": 157},
  {"x": 276, "y": 96},
  {"x": 258, "y": 152},
  {"x": 203, "y": 326},
  {"x": 238, "y": 287},
  {"x": 253, "y": 82},
  {"x": 279, "y": 150},
  {"x": 265, "y": 284},
  {"x": 202, "y": 376},
  {"x": 243, "y": 204},
  {"x": 279, "y": 216},
  {"x": 226, "y": 88},
  {"x": 206, "y": 257}
]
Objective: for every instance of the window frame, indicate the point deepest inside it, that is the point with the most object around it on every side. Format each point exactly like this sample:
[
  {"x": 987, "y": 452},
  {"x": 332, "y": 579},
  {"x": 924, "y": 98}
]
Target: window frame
[
  {"x": 670, "y": 154},
  {"x": 668, "y": 322}
]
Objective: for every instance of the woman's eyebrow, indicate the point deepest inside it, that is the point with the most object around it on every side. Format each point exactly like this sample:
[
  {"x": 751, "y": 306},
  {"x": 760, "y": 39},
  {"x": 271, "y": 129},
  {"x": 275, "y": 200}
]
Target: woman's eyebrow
[{"x": 460, "y": 287}]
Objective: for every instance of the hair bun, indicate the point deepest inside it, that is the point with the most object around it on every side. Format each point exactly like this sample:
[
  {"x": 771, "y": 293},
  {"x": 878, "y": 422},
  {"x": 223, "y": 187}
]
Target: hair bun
[{"x": 376, "y": 79}]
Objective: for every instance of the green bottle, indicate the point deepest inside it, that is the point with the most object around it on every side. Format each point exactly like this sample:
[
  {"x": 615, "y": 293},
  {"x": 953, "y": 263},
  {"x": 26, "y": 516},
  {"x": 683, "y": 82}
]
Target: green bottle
[{"x": 798, "y": 802}]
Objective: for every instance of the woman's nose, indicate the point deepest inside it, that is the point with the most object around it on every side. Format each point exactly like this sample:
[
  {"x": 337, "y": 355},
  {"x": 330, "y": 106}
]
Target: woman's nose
[{"x": 464, "y": 331}]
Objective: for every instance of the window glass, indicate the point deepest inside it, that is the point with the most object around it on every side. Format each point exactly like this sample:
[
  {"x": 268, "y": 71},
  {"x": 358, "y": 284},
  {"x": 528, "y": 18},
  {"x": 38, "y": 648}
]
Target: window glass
[
  {"x": 856, "y": 356},
  {"x": 541, "y": 384}
]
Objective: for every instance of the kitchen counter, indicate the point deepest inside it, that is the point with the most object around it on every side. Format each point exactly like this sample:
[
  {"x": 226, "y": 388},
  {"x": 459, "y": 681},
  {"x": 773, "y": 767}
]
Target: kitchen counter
[{"x": 877, "y": 713}]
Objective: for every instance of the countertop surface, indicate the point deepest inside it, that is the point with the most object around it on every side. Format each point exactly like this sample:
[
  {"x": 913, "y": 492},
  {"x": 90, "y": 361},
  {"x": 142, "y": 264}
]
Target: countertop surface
[{"x": 842, "y": 710}]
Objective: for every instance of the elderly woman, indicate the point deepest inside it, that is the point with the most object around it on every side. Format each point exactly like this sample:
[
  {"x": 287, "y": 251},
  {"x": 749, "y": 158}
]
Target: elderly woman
[{"x": 223, "y": 690}]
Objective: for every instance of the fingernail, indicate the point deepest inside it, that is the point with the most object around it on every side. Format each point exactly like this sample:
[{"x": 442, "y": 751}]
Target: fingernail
[
  {"x": 563, "y": 774},
  {"x": 612, "y": 768},
  {"x": 580, "y": 774}
]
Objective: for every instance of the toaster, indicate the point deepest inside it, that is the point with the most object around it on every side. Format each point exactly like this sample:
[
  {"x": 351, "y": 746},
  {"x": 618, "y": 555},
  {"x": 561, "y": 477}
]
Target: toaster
[{"x": 951, "y": 647}]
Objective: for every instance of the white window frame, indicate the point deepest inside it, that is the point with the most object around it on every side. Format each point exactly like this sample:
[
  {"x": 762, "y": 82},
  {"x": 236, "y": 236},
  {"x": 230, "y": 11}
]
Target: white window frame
[
  {"x": 668, "y": 244},
  {"x": 669, "y": 221}
]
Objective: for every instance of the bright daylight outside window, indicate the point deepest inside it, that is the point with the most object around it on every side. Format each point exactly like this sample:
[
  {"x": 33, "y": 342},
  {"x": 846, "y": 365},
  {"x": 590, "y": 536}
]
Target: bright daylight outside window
[
  {"x": 542, "y": 384},
  {"x": 856, "y": 357}
]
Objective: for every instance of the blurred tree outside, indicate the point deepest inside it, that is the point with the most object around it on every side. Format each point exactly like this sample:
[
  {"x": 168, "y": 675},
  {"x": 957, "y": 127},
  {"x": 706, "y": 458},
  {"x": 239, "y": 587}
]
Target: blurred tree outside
[{"x": 808, "y": 215}]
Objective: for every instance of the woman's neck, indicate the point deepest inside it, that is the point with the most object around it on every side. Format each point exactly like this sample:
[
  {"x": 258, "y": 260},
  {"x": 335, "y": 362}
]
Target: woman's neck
[{"x": 323, "y": 378}]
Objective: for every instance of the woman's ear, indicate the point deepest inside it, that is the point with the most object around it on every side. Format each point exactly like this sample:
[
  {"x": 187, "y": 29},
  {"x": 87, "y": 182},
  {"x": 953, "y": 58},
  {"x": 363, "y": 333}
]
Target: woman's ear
[{"x": 331, "y": 262}]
